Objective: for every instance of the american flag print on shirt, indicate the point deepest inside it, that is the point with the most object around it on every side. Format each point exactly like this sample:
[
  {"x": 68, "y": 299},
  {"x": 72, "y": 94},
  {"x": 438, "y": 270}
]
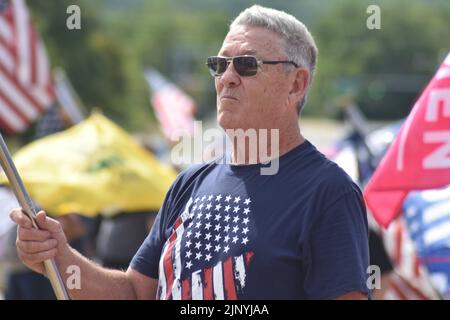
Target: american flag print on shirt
[{"x": 207, "y": 257}]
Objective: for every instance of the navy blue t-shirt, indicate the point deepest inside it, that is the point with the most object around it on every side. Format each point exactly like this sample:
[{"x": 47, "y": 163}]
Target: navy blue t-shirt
[{"x": 228, "y": 232}]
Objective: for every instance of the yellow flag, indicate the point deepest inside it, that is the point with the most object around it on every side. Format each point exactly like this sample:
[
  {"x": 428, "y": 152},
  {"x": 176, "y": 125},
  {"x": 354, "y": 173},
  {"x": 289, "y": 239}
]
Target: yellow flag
[{"x": 94, "y": 167}]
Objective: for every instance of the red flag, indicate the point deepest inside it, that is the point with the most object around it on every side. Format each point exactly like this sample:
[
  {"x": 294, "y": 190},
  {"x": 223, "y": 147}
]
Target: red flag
[
  {"x": 419, "y": 158},
  {"x": 26, "y": 87},
  {"x": 174, "y": 109}
]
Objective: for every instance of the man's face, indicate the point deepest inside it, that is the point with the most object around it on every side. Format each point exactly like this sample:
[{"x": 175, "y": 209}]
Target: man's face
[{"x": 258, "y": 101}]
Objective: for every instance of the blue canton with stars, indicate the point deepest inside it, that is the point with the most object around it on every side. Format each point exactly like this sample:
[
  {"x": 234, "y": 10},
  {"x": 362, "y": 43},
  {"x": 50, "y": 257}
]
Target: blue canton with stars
[{"x": 218, "y": 227}]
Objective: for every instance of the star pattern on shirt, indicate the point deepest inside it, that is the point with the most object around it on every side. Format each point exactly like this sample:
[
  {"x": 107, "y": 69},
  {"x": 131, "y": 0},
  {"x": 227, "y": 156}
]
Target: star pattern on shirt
[{"x": 219, "y": 225}]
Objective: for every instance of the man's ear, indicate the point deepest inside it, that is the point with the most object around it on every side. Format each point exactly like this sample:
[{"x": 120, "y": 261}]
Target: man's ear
[{"x": 299, "y": 85}]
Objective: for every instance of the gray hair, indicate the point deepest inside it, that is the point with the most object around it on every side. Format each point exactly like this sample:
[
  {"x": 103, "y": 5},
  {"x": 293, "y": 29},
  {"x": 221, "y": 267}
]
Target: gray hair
[{"x": 299, "y": 43}]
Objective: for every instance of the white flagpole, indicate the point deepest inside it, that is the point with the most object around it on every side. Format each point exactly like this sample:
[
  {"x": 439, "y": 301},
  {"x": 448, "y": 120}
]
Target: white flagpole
[{"x": 27, "y": 206}]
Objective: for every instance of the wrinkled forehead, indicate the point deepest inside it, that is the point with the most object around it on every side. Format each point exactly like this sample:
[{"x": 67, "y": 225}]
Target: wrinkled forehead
[{"x": 242, "y": 40}]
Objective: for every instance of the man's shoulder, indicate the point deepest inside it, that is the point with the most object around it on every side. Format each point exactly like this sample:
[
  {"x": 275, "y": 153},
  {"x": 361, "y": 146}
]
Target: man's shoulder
[
  {"x": 335, "y": 174},
  {"x": 325, "y": 171},
  {"x": 333, "y": 178},
  {"x": 193, "y": 172}
]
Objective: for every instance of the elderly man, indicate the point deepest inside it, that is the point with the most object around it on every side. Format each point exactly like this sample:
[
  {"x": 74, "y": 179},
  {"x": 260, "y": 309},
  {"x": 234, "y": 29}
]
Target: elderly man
[{"x": 226, "y": 231}]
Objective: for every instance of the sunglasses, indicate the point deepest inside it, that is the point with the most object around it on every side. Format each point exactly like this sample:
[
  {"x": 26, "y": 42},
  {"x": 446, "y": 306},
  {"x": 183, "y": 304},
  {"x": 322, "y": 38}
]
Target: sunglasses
[{"x": 245, "y": 66}]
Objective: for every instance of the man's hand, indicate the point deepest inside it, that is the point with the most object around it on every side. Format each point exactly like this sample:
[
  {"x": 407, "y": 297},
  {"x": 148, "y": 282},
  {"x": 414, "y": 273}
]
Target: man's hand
[{"x": 35, "y": 246}]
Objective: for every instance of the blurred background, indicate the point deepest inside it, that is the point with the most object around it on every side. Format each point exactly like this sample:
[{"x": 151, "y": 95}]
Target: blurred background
[
  {"x": 384, "y": 70},
  {"x": 126, "y": 52}
]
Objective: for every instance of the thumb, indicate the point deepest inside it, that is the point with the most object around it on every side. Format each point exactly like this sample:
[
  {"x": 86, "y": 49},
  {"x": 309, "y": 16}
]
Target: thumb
[{"x": 46, "y": 223}]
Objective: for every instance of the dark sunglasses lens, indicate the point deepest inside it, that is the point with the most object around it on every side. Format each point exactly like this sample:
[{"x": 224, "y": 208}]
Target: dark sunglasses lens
[
  {"x": 245, "y": 66},
  {"x": 217, "y": 65}
]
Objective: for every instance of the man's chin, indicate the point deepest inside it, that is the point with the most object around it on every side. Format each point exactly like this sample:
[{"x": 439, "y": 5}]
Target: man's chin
[{"x": 227, "y": 120}]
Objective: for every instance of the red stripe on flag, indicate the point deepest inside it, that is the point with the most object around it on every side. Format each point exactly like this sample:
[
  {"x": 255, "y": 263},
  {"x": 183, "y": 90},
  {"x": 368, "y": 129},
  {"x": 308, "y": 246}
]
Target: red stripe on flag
[
  {"x": 169, "y": 271},
  {"x": 404, "y": 289},
  {"x": 50, "y": 88},
  {"x": 33, "y": 54},
  {"x": 162, "y": 114},
  {"x": 208, "y": 284},
  {"x": 16, "y": 35},
  {"x": 13, "y": 107},
  {"x": 398, "y": 243},
  {"x": 248, "y": 258},
  {"x": 6, "y": 126},
  {"x": 436, "y": 260},
  {"x": 8, "y": 15},
  {"x": 8, "y": 19},
  {"x": 4, "y": 44},
  {"x": 168, "y": 265},
  {"x": 168, "y": 259},
  {"x": 177, "y": 223},
  {"x": 186, "y": 289},
  {"x": 230, "y": 290},
  {"x": 9, "y": 46},
  {"x": 399, "y": 293},
  {"x": 420, "y": 295},
  {"x": 22, "y": 90},
  {"x": 416, "y": 266},
  {"x": 417, "y": 292}
]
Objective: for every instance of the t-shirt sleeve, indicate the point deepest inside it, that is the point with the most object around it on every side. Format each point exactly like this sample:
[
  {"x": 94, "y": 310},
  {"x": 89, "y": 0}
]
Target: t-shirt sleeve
[
  {"x": 146, "y": 260},
  {"x": 338, "y": 254}
]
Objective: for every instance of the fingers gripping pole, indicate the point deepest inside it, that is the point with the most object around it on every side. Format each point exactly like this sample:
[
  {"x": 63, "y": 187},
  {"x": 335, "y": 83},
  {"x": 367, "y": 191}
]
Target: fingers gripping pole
[{"x": 27, "y": 206}]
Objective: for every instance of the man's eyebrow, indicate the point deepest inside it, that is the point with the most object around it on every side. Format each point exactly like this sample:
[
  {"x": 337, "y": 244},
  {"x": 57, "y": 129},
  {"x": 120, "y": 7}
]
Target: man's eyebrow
[
  {"x": 243, "y": 53},
  {"x": 249, "y": 52}
]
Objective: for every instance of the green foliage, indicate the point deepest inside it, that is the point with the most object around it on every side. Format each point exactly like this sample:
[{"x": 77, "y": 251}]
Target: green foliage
[
  {"x": 98, "y": 65},
  {"x": 175, "y": 39},
  {"x": 386, "y": 69}
]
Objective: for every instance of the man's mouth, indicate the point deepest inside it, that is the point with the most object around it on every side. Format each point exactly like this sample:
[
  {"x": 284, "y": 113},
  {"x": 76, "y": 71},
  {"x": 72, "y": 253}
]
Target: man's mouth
[{"x": 227, "y": 97}]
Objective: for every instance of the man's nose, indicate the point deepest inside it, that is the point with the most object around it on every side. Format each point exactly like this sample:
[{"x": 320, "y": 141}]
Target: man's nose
[{"x": 230, "y": 78}]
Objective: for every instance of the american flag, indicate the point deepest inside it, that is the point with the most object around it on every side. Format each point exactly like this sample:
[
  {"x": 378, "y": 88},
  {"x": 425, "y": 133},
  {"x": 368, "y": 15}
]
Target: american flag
[
  {"x": 207, "y": 256},
  {"x": 427, "y": 214},
  {"x": 409, "y": 281},
  {"x": 174, "y": 108},
  {"x": 26, "y": 87}
]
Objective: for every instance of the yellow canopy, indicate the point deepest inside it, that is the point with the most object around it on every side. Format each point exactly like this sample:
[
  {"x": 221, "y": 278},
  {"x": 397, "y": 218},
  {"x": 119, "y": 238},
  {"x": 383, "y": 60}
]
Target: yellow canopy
[{"x": 94, "y": 167}]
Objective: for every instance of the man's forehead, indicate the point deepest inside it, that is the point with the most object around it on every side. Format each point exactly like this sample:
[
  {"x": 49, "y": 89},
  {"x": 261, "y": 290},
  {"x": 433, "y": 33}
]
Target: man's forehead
[{"x": 245, "y": 40}]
